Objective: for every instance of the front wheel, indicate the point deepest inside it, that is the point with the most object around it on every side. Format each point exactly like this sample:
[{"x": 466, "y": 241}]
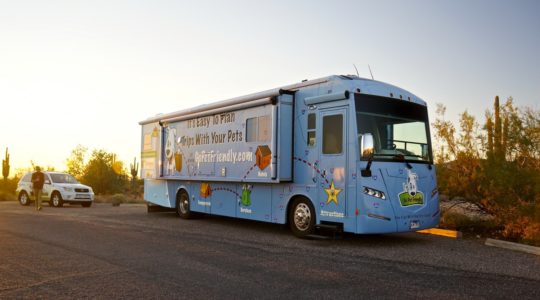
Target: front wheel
[
  {"x": 23, "y": 198},
  {"x": 182, "y": 205},
  {"x": 302, "y": 217},
  {"x": 56, "y": 200}
]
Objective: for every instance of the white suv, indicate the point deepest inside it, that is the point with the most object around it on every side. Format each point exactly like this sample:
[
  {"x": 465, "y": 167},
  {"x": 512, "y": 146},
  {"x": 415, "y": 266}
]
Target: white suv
[{"x": 59, "y": 188}]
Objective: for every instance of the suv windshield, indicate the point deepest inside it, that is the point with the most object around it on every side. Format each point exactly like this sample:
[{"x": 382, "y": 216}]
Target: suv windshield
[
  {"x": 400, "y": 128},
  {"x": 63, "y": 178}
]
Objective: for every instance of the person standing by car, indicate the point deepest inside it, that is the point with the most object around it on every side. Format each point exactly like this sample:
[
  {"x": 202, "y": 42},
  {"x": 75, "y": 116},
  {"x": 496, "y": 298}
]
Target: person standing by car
[{"x": 37, "y": 185}]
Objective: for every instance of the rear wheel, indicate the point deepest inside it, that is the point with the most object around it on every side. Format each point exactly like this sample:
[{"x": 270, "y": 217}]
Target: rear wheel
[
  {"x": 182, "y": 205},
  {"x": 23, "y": 198},
  {"x": 302, "y": 217},
  {"x": 56, "y": 200}
]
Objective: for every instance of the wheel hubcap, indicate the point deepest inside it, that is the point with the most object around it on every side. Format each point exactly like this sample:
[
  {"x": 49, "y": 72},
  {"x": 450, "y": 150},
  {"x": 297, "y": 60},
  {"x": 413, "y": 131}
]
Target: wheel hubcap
[
  {"x": 184, "y": 204},
  {"x": 55, "y": 200},
  {"x": 24, "y": 198},
  {"x": 302, "y": 217}
]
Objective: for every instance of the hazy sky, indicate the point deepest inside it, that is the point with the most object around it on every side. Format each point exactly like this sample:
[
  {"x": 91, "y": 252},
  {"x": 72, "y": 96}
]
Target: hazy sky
[{"x": 86, "y": 72}]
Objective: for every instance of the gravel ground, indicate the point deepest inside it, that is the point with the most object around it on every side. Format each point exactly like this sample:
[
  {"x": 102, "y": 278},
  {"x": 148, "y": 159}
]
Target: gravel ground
[{"x": 124, "y": 252}]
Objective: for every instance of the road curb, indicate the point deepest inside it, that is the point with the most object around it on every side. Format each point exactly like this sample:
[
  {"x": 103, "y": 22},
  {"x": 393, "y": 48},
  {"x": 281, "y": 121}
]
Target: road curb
[
  {"x": 442, "y": 232},
  {"x": 513, "y": 246}
]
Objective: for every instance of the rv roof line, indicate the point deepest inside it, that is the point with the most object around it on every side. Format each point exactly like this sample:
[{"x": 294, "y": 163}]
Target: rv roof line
[{"x": 236, "y": 103}]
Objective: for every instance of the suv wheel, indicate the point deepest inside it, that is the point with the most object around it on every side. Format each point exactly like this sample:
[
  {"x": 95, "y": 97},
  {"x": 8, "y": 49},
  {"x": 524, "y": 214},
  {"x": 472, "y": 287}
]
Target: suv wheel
[
  {"x": 56, "y": 200},
  {"x": 23, "y": 198}
]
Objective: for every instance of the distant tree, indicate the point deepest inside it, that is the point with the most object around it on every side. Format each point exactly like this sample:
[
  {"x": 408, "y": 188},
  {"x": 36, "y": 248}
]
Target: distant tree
[
  {"x": 76, "y": 161},
  {"x": 445, "y": 135},
  {"x": 458, "y": 168},
  {"x": 104, "y": 173}
]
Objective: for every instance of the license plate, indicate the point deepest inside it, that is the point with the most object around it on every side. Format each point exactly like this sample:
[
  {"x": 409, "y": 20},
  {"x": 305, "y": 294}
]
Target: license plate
[{"x": 415, "y": 224}]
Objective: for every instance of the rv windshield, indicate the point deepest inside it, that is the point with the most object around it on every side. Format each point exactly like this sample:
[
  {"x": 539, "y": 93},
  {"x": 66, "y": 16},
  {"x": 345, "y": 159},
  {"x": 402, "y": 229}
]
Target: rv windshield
[{"x": 400, "y": 129}]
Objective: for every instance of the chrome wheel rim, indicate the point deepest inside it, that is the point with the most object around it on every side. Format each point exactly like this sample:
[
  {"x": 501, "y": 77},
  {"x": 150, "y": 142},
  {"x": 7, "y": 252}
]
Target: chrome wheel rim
[
  {"x": 302, "y": 217},
  {"x": 23, "y": 199},
  {"x": 55, "y": 200},
  {"x": 184, "y": 204}
]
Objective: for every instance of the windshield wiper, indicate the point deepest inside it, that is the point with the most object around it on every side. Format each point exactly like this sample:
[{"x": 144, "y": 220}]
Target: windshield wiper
[{"x": 401, "y": 157}]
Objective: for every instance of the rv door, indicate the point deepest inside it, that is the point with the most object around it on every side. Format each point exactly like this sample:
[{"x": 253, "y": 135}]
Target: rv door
[{"x": 333, "y": 163}]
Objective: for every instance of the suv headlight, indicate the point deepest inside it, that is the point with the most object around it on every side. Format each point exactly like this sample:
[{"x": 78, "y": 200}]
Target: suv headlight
[{"x": 68, "y": 189}]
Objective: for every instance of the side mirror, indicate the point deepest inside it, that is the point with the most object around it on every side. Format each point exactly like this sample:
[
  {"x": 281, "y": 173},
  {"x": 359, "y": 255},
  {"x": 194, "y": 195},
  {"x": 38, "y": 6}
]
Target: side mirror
[{"x": 367, "y": 145}]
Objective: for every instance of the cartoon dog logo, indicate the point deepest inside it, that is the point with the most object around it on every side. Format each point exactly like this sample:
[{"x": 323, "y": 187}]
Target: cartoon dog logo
[
  {"x": 411, "y": 195},
  {"x": 410, "y": 185},
  {"x": 170, "y": 149}
]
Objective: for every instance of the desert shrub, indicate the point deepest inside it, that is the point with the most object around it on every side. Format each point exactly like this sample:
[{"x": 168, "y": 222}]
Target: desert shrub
[
  {"x": 9, "y": 185},
  {"x": 6, "y": 196},
  {"x": 531, "y": 234},
  {"x": 461, "y": 222},
  {"x": 495, "y": 166},
  {"x": 118, "y": 199}
]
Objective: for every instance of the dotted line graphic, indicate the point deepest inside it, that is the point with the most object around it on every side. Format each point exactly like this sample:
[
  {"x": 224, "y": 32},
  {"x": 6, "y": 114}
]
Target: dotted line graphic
[
  {"x": 249, "y": 171},
  {"x": 226, "y": 190},
  {"x": 314, "y": 167}
]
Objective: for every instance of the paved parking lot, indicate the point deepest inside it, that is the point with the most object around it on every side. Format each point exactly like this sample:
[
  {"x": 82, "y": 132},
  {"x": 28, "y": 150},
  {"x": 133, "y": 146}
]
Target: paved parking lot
[{"x": 124, "y": 252}]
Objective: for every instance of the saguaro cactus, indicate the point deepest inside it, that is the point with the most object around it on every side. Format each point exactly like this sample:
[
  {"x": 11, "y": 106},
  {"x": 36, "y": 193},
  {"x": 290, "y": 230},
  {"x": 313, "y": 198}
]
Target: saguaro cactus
[
  {"x": 497, "y": 133},
  {"x": 134, "y": 170},
  {"x": 5, "y": 165},
  {"x": 489, "y": 129}
]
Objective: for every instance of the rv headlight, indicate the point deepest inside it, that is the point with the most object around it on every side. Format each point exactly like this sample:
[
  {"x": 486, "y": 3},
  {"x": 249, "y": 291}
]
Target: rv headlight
[{"x": 375, "y": 193}]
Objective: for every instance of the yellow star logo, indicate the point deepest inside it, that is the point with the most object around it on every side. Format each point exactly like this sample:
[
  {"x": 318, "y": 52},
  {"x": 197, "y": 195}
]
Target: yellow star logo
[{"x": 332, "y": 194}]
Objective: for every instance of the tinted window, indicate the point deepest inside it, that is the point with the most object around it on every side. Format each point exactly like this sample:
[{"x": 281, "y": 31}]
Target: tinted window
[
  {"x": 63, "y": 178},
  {"x": 251, "y": 130},
  {"x": 400, "y": 129},
  {"x": 258, "y": 129},
  {"x": 312, "y": 123},
  {"x": 333, "y": 134},
  {"x": 26, "y": 178}
]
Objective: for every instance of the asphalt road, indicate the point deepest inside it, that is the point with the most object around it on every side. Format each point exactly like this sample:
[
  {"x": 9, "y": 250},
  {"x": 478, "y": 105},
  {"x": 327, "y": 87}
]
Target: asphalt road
[{"x": 124, "y": 252}]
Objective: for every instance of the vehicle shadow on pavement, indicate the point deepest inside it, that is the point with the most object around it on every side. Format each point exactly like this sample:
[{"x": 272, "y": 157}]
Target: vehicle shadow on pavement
[{"x": 258, "y": 227}]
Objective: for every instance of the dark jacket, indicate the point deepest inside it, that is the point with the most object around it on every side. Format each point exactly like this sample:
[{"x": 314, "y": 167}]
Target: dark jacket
[{"x": 37, "y": 180}]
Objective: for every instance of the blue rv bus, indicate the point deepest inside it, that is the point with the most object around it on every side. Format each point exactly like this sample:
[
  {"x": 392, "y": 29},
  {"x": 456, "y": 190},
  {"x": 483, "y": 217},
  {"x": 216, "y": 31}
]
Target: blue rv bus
[{"x": 338, "y": 152}]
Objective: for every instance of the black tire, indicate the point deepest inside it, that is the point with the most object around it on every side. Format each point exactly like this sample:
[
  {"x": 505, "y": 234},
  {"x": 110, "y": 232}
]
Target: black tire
[
  {"x": 56, "y": 200},
  {"x": 182, "y": 205},
  {"x": 86, "y": 204},
  {"x": 302, "y": 217},
  {"x": 24, "y": 199}
]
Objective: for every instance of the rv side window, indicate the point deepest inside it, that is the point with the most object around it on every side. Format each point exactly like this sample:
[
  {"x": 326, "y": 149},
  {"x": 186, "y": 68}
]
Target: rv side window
[
  {"x": 258, "y": 129},
  {"x": 311, "y": 129},
  {"x": 251, "y": 130},
  {"x": 333, "y": 134},
  {"x": 264, "y": 129}
]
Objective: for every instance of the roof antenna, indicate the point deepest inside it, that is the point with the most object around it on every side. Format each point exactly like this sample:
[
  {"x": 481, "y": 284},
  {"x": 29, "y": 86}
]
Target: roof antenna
[
  {"x": 356, "y": 70},
  {"x": 370, "y": 72}
]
